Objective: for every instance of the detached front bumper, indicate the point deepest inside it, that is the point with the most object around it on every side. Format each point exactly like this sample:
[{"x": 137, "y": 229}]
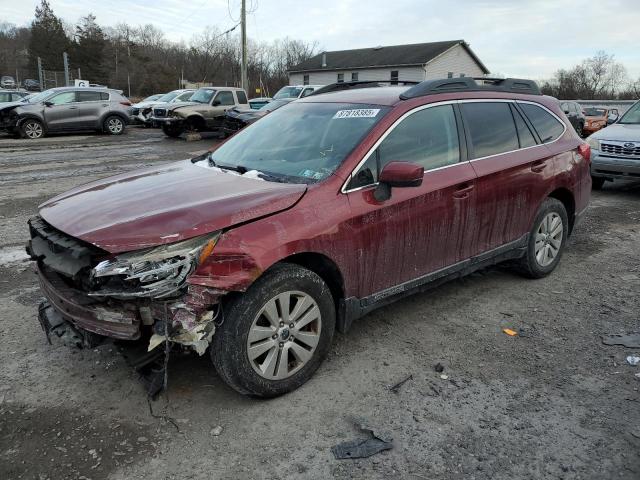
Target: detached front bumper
[{"x": 86, "y": 313}]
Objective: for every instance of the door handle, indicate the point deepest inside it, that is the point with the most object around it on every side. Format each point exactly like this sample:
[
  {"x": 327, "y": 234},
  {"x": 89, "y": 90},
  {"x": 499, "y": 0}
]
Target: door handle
[
  {"x": 73, "y": 108},
  {"x": 462, "y": 191},
  {"x": 538, "y": 167}
]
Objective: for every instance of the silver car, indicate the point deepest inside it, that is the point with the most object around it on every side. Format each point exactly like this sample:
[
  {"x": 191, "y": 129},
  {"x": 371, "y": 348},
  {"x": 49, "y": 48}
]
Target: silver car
[
  {"x": 66, "y": 109},
  {"x": 615, "y": 150}
]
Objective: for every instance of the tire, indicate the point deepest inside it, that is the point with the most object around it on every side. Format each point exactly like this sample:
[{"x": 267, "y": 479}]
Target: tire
[
  {"x": 113, "y": 125},
  {"x": 32, "y": 129},
  {"x": 172, "y": 131},
  {"x": 243, "y": 362},
  {"x": 542, "y": 258},
  {"x": 597, "y": 182}
]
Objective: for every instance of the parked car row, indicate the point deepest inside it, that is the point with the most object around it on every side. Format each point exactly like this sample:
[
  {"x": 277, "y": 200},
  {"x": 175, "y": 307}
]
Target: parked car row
[{"x": 29, "y": 84}]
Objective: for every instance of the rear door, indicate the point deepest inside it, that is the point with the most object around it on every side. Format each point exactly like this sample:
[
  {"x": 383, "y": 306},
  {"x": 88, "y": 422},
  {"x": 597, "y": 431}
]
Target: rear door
[
  {"x": 419, "y": 230},
  {"x": 91, "y": 106},
  {"x": 513, "y": 168},
  {"x": 62, "y": 112}
]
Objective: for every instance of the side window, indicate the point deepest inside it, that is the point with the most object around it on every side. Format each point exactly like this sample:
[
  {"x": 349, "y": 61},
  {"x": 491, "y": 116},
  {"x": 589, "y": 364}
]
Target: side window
[
  {"x": 490, "y": 127},
  {"x": 306, "y": 91},
  {"x": 524, "y": 134},
  {"x": 547, "y": 126},
  {"x": 242, "y": 97},
  {"x": 5, "y": 97},
  {"x": 89, "y": 96},
  {"x": 104, "y": 96},
  {"x": 225, "y": 98},
  {"x": 62, "y": 98},
  {"x": 428, "y": 137},
  {"x": 17, "y": 97}
]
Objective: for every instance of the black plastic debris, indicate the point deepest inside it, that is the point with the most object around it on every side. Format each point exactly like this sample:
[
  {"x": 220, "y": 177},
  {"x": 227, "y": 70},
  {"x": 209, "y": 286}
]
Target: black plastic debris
[
  {"x": 629, "y": 340},
  {"x": 150, "y": 367},
  {"x": 396, "y": 388},
  {"x": 376, "y": 443},
  {"x": 438, "y": 367}
]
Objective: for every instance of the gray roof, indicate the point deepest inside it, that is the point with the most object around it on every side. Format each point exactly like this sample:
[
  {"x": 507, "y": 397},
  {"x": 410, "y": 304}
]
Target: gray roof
[{"x": 392, "y": 56}]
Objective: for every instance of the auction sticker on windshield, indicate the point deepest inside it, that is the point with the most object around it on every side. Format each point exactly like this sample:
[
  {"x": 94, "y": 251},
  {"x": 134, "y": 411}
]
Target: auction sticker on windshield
[{"x": 357, "y": 113}]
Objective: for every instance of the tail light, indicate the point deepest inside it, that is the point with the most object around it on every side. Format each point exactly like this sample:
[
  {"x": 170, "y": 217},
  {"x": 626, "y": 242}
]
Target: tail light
[
  {"x": 585, "y": 150},
  {"x": 126, "y": 104}
]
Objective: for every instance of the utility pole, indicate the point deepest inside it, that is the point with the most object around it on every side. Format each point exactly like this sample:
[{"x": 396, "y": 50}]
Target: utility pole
[
  {"x": 243, "y": 66},
  {"x": 40, "y": 76},
  {"x": 65, "y": 60}
]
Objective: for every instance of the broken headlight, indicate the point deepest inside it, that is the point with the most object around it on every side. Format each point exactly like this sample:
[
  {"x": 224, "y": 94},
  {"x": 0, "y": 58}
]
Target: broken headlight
[{"x": 152, "y": 273}]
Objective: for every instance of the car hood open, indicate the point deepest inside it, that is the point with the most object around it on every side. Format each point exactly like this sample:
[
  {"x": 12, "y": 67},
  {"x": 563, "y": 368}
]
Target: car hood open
[
  {"x": 165, "y": 204},
  {"x": 622, "y": 132}
]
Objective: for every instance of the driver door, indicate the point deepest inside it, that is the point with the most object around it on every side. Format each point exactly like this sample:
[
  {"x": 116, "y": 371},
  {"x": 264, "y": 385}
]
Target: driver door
[
  {"x": 418, "y": 230},
  {"x": 220, "y": 104},
  {"x": 61, "y": 112}
]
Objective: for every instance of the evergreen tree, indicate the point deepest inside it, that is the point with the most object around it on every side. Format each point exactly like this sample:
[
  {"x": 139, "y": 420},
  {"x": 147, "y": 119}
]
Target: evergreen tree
[
  {"x": 48, "y": 39},
  {"x": 88, "y": 51}
]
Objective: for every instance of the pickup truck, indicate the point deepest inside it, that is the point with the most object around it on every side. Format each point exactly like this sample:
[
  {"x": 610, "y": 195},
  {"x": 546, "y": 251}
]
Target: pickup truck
[{"x": 204, "y": 112}]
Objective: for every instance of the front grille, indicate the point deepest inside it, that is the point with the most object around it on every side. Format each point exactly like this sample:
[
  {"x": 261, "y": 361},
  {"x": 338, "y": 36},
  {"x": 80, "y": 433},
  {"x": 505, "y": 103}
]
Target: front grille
[
  {"x": 619, "y": 150},
  {"x": 62, "y": 253},
  {"x": 159, "y": 112}
]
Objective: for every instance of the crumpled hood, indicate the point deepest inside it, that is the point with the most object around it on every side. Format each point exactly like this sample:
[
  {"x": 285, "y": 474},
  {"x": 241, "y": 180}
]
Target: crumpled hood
[
  {"x": 164, "y": 204},
  {"x": 10, "y": 105},
  {"x": 143, "y": 104},
  {"x": 177, "y": 105},
  {"x": 620, "y": 132}
]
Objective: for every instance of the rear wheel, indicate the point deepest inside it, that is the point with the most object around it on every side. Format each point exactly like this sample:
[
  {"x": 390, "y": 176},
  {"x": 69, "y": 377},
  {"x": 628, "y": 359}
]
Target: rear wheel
[
  {"x": 32, "y": 129},
  {"x": 173, "y": 131},
  {"x": 113, "y": 125},
  {"x": 546, "y": 239},
  {"x": 275, "y": 335},
  {"x": 597, "y": 182}
]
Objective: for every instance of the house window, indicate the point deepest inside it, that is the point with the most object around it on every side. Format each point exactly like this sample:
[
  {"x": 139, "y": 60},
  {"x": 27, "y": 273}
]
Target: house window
[
  {"x": 354, "y": 76},
  {"x": 305, "y": 80},
  {"x": 340, "y": 77},
  {"x": 394, "y": 77},
  {"x": 450, "y": 75}
]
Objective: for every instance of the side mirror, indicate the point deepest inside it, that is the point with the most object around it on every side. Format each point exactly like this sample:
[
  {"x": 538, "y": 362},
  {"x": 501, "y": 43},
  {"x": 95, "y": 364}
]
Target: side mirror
[
  {"x": 566, "y": 112},
  {"x": 48, "y": 104},
  {"x": 398, "y": 175},
  {"x": 216, "y": 103}
]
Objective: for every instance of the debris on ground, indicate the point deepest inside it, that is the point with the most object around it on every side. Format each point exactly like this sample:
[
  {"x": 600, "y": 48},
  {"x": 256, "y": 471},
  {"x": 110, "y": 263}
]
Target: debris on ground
[
  {"x": 629, "y": 340},
  {"x": 510, "y": 332},
  {"x": 633, "y": 360},
  {"x": 376, "y": 443},
  {"x": 396, "y": 388},
  {"x": 216, "y": 431},
  {"x": 438, "y": 367},
  {"x": 444, "y": 377}
]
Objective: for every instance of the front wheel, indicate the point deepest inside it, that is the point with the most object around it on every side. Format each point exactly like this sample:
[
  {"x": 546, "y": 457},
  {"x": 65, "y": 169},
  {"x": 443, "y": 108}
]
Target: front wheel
[
  {"x": 113, "y": 125},
  {"x": 172, "y": 131},
  {"x": 275, "y": 335},
  {"x": 546, "y": 240},
  {"x": 597, "y": 182},
  {"x": 32, "y": 129}
]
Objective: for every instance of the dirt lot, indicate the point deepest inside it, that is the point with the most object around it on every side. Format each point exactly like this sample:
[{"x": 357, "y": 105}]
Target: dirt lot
[{"x": 553, "y": 402}]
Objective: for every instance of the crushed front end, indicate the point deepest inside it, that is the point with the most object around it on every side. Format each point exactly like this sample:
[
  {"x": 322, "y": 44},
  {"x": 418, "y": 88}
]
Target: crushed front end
[
  {"x": 136, "y": 295},
  {"x": 9, "y": 120}
]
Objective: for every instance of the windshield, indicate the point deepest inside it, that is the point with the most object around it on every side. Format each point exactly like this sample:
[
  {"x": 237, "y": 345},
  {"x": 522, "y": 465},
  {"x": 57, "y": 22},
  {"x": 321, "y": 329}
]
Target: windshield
[
  {"x": 287, "y": 92},
  {"x": 632, "y": 115},
  {"x": 167, "y": 97},
  {"x": 152, "y": 98},
  {"x": 299, "y": 143},
  {"x": 203, "y": 96},
  {"x": 273, "y": 105},
  {"x": 183, "y": 97},
  {"x": 595, "y": 112}
]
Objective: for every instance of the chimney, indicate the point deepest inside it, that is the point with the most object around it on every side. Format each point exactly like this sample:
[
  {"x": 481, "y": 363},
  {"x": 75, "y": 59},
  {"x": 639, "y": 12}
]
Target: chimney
[{"x": 324, "y": 59}]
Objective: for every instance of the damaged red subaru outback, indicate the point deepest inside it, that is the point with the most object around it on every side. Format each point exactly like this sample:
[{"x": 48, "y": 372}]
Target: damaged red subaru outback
[{"x": 310, "y": 218}]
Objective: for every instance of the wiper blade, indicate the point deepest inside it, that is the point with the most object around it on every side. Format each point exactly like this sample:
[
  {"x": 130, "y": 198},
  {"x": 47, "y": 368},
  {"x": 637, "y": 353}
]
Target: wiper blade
[{"x": 236, "y": 168}]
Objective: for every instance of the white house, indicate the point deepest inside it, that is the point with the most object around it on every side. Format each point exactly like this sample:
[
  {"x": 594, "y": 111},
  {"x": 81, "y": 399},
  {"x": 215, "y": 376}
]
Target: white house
[{"x": 416, "y": 62}]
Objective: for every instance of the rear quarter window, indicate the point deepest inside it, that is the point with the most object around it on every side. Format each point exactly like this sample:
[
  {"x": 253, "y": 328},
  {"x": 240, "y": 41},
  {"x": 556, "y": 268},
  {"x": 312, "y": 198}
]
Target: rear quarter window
[{"x": 548, "y": 127}]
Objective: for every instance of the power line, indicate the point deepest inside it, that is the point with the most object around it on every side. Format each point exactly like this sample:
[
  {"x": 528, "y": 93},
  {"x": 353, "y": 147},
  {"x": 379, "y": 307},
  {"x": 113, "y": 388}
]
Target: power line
[{"x": 217, "y": 36}]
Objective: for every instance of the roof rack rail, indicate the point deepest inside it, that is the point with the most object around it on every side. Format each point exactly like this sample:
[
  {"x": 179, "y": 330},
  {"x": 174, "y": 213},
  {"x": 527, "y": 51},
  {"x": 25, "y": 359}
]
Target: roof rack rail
[
  {"x": 472, "y": 84},
  {"x": 336, "y": 87}
]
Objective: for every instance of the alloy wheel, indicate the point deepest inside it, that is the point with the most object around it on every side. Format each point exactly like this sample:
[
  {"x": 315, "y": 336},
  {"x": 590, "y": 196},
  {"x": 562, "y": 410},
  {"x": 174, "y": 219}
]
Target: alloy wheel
[
  {"x": 284, "y": 335},
  {"x": 549, "y": 239},
  {"x": 33, "y": 130},
  {"x": 115, "y": 125}
]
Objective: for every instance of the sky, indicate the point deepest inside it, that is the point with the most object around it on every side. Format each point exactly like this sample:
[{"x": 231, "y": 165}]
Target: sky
[{"x": 519, "y": 38}]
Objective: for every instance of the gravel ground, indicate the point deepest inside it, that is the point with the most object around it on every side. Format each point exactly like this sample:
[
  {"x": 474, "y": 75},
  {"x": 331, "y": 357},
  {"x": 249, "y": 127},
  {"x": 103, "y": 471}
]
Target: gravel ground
[{"x": 552, "y": 402}]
